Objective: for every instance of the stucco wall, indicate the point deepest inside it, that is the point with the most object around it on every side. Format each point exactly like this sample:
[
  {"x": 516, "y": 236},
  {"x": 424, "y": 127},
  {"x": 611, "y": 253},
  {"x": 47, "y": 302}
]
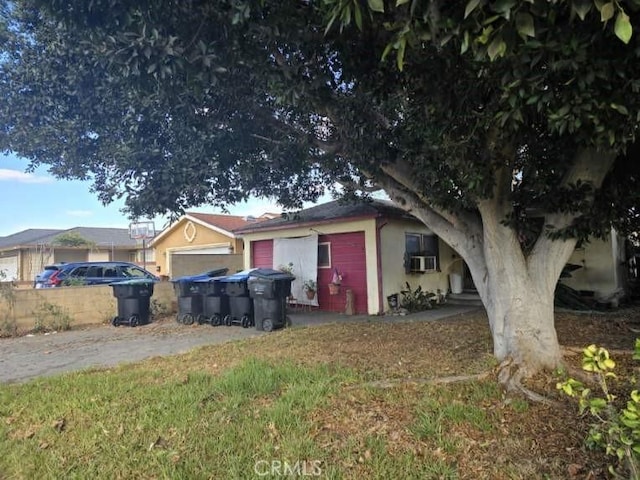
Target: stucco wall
[
  {"x": 599, "y": 272},
  {"x": 201, "y": 237},
  {"x": 85, "y": 305},
  {"x": 394, "y": 278}
]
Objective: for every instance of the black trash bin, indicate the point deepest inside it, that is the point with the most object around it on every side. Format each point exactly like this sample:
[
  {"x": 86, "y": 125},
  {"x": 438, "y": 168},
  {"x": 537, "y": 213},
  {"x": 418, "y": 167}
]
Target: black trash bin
[
  {"x": 215, "y": 304},
  {"x": 133, "y": 302},
  {"x": 240, "y": 303},
  {"x": 269, "y": 290},
  {"x": 190, "y": 297}
]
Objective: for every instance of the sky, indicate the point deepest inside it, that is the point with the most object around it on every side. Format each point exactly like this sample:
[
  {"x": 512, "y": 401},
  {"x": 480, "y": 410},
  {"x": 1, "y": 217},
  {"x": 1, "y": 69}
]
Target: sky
[{"x": 38, "y": 200}]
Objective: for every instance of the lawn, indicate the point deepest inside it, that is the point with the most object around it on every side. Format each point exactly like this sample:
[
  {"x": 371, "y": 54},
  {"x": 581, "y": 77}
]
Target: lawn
[{"x": 336, "y": 401}]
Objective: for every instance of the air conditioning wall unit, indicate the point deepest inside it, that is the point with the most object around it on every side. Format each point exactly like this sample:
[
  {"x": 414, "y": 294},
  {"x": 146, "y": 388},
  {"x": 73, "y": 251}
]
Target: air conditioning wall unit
[{"x": 424, "y": 264}]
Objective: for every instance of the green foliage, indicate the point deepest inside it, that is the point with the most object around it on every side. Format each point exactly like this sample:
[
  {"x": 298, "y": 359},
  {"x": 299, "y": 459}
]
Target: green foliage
[
  {"x": 51, "y": 318},
  {"x": 416, "y": 300},
  {"x": 259, "y": 99},
  {"x": 73, "y": 282},
  {"x": 8, "y": 322},
  {"x": 616, "y": 427},
  {"x": 71, "y": 239},
  {"x": 310, "y": 286},
  {"x": 158, "y": 308}
]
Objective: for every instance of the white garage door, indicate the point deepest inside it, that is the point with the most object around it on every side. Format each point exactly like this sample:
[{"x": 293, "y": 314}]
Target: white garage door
[
  {"x": 203, "y": 251},
  {"x": 9, "y": 269}
]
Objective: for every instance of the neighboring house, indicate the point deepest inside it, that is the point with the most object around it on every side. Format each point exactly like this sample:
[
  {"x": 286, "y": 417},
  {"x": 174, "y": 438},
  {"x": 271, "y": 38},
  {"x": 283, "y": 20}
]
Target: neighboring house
[
  {"x": 603, "y": 267},
  {"x": 374, "y": 246},
  {"x": 24, "y": 254},
  {"x": 198, "y": 242}
]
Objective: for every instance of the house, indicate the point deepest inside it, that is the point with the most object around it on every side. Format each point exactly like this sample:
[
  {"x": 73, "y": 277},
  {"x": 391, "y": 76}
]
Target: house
[
  {"x": 602, "y": 267},
  {"x": 197, "y": 242},
  {"x": 24, "y": 254},
  {"x": 375, "y": 247}
]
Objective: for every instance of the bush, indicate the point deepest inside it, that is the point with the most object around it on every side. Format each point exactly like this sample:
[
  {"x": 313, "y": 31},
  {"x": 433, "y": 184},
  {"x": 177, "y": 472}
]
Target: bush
[
  {"x": 616, "y": 426},
  {"x": 416, "y": 300}
]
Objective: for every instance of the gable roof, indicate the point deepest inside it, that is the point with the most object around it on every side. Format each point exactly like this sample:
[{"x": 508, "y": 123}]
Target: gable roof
[
  {"x": 331, "y": 212},
  {"x": 30, "y": 236},
  {"x": 224, "y": 224},
  {"x": 114, "y": 237}
]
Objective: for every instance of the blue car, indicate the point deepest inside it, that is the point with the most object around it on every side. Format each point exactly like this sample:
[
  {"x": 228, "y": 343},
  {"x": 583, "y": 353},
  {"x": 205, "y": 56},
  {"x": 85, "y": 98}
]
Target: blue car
[{"x": 90, "y": 273}]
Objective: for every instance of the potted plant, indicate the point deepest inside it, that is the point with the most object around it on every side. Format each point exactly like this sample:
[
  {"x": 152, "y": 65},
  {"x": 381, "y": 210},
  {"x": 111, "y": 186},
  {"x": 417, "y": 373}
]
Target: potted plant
[
  {"x": 310, "y": 287},
  {"x": 288, "y": 268},
  {"x": 336, "y": 280}
]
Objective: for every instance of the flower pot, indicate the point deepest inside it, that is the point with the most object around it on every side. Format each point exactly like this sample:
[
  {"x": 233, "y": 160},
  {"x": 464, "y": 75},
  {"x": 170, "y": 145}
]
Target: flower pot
[
  {"x": 334, "y": 289},
  {"x": 311, "y": 294},
  {"x": 455, "y": 280}
]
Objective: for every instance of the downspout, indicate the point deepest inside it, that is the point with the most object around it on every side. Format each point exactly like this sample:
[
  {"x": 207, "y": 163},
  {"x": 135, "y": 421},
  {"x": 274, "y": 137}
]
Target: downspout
[{"x": 379, "y": 226}]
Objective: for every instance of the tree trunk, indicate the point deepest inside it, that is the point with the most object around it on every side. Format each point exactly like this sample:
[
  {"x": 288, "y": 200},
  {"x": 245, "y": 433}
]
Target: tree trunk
[{"x": 517, "y": 288}]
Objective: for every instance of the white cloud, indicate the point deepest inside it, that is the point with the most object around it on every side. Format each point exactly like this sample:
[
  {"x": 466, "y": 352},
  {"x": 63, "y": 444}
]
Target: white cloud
[
  {"x": 79, "y": 213},
  {"x": 22, "y": 177}
]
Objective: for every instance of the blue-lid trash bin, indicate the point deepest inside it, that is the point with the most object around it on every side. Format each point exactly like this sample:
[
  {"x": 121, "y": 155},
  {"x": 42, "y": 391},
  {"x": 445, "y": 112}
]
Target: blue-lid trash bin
[
  {"x": 269, "y": 290},
  {"x": 190, "y": 297},
  {"x": 215, "y": 304},
  {"x": 134, "y": 298},
  {"x": 240, "y": 304}
]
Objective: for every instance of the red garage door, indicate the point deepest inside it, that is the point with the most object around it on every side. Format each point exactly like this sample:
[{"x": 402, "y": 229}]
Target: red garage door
[
  {"x": 347, "y": 254},
  {"x": 262, "y": 254}
]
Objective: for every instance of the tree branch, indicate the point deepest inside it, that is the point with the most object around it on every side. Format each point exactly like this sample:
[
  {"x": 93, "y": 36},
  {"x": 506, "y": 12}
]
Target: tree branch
[
  {"x": 548, "y": 256},
  {"x": 460, "y": 234}
]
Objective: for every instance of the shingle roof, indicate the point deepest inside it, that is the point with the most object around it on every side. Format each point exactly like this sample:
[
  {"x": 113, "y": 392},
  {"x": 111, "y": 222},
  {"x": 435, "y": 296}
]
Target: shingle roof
[
  {"x": 337, "y": 210},
  {"x": 116, "y": 237},
  {"x": 31, "y": 236}
]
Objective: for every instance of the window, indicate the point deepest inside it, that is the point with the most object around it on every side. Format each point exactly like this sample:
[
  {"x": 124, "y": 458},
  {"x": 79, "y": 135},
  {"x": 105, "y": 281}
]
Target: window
[
  {"x": 324, "y": 255},
  {"x": 421, "y": 253}
]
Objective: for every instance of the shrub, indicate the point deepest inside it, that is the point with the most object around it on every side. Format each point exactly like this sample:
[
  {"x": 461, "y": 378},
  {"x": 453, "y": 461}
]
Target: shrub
[
  {"x": 416, "y": 300},
  {"x": 616, "y": 426}
]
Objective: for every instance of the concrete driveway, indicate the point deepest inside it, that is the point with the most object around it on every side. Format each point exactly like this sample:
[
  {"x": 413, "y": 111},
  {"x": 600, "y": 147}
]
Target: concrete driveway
[{"x": 32, "y": 356}]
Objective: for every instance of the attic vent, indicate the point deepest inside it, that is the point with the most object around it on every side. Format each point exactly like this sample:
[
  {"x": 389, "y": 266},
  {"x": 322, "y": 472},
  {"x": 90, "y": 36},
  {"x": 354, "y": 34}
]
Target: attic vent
[{"x": 250, "y": 218}]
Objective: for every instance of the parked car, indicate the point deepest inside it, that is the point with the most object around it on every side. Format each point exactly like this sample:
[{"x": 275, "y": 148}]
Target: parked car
[{"x": 89, "y": 273}]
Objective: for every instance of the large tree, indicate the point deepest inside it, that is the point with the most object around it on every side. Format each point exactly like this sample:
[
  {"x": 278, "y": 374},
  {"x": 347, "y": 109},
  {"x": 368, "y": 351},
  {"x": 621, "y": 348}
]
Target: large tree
[{"x": 505, "y": 126}]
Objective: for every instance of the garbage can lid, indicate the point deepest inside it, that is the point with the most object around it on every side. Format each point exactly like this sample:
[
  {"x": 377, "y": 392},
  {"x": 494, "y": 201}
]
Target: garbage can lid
[
  {"x": 209, "y": 279},
  {"x": 200, "y": 276},
  {"x": 271, "y": 274},
  {"x": 238, "y": 277}
]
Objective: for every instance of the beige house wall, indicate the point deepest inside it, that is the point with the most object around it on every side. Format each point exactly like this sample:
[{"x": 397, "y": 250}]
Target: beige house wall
[
  {"x": 392, "y": 247},
  {"x": 368, "y": 226},
  {"x": 183, "y": 238},
  {"x": 603, "y": 269},
  {"x": 84, "y": 305}
]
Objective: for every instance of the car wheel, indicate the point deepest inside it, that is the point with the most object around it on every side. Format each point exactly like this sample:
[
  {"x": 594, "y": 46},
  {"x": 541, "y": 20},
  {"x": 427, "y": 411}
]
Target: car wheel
[
  {"x": 115, "y": 322},
  {"x": 228, "y": 321},
  {"x": 267, "y": 325},
  {"x": 215, "y": 320},
  {"x": 245, "y": 322},
  {"x": 134, "y": 321},
  {"x": 201, "y": 319},
  {"x": 187, "y": 319}
]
